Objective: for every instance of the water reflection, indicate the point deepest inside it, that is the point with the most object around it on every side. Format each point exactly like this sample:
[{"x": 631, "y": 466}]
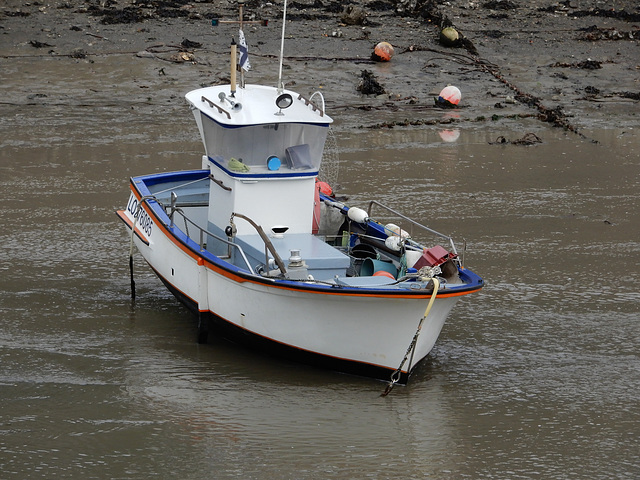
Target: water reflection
[{"x": 449, "y": 136}]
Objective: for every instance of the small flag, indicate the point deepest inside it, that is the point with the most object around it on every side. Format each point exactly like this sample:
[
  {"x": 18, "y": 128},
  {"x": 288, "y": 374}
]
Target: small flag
[{"x": 243, "y": 52}]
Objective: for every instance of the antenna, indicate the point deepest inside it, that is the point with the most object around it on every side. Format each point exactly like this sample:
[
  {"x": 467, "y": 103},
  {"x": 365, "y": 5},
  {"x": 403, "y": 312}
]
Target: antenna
[
  {"x": 284, "y": 23},
  {"x": 240, "y": 21}
]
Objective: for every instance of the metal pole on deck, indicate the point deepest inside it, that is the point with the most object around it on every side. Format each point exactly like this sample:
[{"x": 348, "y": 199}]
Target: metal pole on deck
[
  {"x": 240, "y": 7},
  {"x": 284, "y": 23}
]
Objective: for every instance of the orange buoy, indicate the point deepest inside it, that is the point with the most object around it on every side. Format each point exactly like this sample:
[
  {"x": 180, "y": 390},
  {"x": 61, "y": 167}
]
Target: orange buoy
[
  {"x": 450, "y": 95},
  {"x": 324, "y": 188},
  {"x": 383, "y": 52}
]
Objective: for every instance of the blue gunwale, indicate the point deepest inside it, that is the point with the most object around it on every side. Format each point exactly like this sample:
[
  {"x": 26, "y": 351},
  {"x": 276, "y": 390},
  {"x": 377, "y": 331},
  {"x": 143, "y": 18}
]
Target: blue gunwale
[{"x": 141, "y": 184}]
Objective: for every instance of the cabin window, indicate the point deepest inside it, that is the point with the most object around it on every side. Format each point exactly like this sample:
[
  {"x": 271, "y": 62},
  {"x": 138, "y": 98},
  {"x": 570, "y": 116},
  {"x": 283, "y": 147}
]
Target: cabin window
[{"x": 298, "y": 146}]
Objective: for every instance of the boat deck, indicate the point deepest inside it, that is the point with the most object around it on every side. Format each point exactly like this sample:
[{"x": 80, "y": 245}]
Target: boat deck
[{"x": 324, "y": 261}]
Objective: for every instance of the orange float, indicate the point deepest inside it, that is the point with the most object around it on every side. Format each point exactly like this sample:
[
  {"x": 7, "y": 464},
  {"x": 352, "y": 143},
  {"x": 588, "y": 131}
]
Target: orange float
[{"x": 383, "y": 51}]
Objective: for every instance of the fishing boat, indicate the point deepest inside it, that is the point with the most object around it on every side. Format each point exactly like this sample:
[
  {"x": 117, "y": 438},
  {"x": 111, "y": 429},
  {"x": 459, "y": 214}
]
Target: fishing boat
[{"x": 267, "y": 257}]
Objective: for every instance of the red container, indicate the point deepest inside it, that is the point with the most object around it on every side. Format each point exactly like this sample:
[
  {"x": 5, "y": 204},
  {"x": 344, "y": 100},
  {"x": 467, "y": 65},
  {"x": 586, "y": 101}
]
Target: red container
[{"x": 433, "y": 256}]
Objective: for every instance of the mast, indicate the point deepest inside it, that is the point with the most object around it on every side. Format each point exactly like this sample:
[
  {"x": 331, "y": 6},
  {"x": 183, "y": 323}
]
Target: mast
[{"x": 284, "y": 23}]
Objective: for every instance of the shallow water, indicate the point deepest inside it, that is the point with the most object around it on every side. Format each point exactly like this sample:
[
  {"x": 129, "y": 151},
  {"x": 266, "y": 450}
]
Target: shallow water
[{"x": 536, "y": 376}]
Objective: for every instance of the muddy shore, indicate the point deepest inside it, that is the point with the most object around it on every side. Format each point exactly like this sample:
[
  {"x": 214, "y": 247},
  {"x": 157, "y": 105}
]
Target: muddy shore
[
  {"x": 534, "y": 377},
  {"x": 574, "y": 64}
]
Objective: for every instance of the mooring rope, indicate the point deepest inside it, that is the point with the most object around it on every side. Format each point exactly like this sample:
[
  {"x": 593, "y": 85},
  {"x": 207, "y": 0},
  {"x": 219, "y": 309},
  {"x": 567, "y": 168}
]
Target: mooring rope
[
  {"x": 395, "y": 376},
  {"x": 136, "y": 214}
]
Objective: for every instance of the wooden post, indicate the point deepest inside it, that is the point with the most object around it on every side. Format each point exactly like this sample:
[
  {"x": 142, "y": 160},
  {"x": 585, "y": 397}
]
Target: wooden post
[{"x": 234, "y": 61}]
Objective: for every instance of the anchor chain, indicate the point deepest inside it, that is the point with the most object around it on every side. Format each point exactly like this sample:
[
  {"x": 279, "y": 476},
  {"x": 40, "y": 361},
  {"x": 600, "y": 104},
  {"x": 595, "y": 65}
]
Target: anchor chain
[{"x": 395, "y": 376}]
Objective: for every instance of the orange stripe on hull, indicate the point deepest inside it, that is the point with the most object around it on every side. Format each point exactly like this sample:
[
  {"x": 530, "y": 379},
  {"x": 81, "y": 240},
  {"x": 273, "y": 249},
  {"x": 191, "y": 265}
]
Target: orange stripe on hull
[{"x": 125, "y": 219}]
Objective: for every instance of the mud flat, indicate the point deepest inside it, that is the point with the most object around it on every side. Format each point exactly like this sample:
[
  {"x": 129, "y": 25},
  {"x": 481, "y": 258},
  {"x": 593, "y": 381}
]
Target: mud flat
[
  {"x": 574, "y": 64},
  {"x": 536, "y": 377}
]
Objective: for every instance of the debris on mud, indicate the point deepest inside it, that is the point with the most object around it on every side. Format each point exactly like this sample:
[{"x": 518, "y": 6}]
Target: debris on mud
[
  {"x": 592, "y": 91},
  {"x": 429, "y": 11},
  {"x": 16, "y": 13},
  {"x": 409, "y": 123},
  {"x": 594, "y": 33},
  {"x": 118, "y": 16},
  {"x": 140, "y": 12},
  {"x": 353, "y": 15},
  {"x": 182, "y": 57},
  {"x": 594, "y": 94},
  {"x": 369, "y": 84},
  {"x": 631, "y": 95},
  {"x": 331, "y": 9},
  {"x": 619, "y": 14},
  {"x": 37, "y": 44},
  {"x": 187, "y": 44},
  {"x": 494, "y": 33},
  {"x": 587, "y": 64},
  {"x": 499, "y": 5},
  {"x": 78, "y": 53},
  {"x": 415, "y": 26},
  {"x": 145, "y": 54},
  {"x": 528, "y": 139},
  {"x": 555, "y": 116},
  {"x": 438, "y": 103}
]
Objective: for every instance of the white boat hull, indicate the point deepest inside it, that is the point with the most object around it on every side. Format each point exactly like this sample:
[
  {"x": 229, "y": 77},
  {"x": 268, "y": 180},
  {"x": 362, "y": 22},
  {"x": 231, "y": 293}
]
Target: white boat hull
[
  {"x": 362, "y": 333},
  {"x": 245, "y": 255}
]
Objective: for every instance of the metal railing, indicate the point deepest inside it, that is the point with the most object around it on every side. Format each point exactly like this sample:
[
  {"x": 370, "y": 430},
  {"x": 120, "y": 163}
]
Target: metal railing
[
  {"x": 204, "y": 235},
  {"x": 413, "y": 223}
]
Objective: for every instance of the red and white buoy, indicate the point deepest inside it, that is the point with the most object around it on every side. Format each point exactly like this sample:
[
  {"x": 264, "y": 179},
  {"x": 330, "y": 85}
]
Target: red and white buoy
[{"x": 450, "y": 94}]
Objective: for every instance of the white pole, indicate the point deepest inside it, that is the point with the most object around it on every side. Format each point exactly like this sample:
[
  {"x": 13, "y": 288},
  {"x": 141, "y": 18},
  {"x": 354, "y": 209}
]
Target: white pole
[
  {"x": 240, "y": 5},
  {"x": 284, "y": 22}
]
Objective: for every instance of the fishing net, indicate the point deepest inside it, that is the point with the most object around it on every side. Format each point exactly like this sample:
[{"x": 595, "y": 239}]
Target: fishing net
[{"x": 330, "y": 161}]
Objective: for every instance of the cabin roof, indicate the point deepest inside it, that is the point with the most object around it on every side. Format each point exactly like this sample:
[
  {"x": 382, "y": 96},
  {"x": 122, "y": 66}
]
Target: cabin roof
[{"x": 257, "y": 106}]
